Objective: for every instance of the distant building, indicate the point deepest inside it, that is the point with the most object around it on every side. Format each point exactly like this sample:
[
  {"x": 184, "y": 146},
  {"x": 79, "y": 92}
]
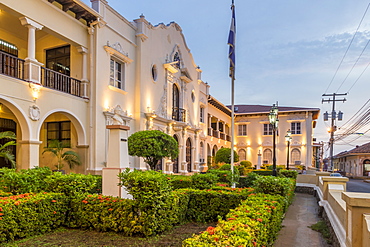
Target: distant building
[{"x": 355, "y": 162}]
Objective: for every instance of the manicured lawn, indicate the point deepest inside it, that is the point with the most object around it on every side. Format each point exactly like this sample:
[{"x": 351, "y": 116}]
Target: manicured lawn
[{"x": 85, "y": 238}]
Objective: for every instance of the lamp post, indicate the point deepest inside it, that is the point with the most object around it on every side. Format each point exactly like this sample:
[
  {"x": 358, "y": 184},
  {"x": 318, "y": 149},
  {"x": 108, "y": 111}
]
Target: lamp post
[
  {"x": 288, "y": 138},
  {"x": 274, "y": 121}
]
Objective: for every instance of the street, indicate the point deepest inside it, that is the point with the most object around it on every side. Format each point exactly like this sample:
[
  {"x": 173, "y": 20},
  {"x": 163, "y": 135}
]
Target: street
[{"x": 358, "y": 185}]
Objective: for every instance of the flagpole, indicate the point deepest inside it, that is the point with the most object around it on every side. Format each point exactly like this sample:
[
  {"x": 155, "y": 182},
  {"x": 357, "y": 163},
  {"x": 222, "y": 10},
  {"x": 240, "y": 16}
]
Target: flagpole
[{"x": 231, "y": 43}]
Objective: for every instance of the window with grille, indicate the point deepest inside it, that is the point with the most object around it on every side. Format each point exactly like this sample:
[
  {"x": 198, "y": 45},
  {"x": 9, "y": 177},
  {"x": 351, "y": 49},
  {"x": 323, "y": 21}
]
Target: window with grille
[
  {"x": 60, "y": 131},
  {"x": 117, "y": 74},
  {"x": 267, "y": 156},
  {"x": 242, "y": 155},
  {"x": 295, "y": 127},
  {"x": 242, "y": 130}
]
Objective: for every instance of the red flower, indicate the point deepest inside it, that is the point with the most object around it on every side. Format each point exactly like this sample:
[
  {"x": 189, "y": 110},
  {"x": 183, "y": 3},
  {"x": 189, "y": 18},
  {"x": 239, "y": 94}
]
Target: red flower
[
  {"x": 259, "y": 219},
  {"x": 53, "y": 200},
  {"x": 54, "y": 212},
  {"x": 110, "y": 209},
  {"x": 231, "y": 219},
  {"x": 84, "y": 201}
]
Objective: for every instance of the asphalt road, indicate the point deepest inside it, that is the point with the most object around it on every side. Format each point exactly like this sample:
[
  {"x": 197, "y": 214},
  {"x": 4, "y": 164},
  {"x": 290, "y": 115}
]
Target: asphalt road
[{"x": 358, "y": 185}]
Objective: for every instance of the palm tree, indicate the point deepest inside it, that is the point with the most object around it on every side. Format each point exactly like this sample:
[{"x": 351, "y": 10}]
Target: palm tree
[
  {"x": 5, "y": 151},
  {"x": 70, "y": 157}
]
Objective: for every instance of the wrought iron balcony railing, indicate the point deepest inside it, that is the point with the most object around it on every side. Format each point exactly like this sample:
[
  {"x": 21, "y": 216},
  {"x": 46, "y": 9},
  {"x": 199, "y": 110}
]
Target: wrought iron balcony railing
[
  {"x": 179, "y": 114},
  {"x": 60, "y": 82},
  {"x": 11, "y": 66}
]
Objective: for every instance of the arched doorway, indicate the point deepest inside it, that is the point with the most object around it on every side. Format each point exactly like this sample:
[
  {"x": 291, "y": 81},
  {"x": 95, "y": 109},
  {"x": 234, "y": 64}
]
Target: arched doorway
[
  {"x": 175, "y": 166},
  {"x": 188, "y": 154},
  {"x": 267, "y": 156}
]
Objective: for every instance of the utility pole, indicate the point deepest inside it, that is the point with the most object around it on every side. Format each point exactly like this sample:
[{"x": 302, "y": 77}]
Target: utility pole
[{"x": 333, "y": 116}]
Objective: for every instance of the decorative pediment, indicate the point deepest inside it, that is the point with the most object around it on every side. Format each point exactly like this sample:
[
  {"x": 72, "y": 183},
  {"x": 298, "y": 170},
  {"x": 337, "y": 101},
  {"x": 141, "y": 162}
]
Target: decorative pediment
[
  {"x": 185, "y": 75},
  {"x": 267, "y": 144},
  {"x": 241, "y": 144},
  {"x": 117, "y": 51},
  {"x": 116, "y": 116},
  {"x": 171, "y": 67}
]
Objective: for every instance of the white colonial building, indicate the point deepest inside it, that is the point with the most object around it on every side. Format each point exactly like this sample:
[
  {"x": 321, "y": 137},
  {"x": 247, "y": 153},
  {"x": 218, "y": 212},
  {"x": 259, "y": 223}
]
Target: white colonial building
[{"x": 89, "y": 78}]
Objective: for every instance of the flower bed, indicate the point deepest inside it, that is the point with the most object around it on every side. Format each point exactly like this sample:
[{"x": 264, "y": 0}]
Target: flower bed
[
  {"x": 30, "y": 214},
  {"x": 254, "y": 223}
]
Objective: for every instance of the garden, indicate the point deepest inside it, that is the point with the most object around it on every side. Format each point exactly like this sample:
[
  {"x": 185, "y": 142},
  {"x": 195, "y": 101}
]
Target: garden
[
  {"x": 243, "y": 207},
  {"x": 37, "y": 201}
]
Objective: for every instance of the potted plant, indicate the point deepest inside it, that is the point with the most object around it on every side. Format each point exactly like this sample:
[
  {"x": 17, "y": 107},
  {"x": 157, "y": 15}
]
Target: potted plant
[{"x": 57, "y": 148}]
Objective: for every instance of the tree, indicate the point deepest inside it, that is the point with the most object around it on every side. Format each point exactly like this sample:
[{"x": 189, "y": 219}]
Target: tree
[
  {"x": 70, "y": 157},
  {"x": 223, "y": 155},
  {"x": 152, "y": 145},
  {"x": 5, "y": 151}
]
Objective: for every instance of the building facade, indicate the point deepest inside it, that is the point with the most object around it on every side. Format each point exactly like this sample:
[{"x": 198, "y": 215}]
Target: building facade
[{"x": 103, "y": 78}]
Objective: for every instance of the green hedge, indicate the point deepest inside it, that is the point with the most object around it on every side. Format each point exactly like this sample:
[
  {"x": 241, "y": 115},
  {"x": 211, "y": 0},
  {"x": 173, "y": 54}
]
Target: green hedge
[
  {"x": 288, "y": 174},
  {"x": 28, "y": 214},
  {"x": 208, "y": 205},
  {"x": 255, "y": 222},
  {"x": 38, "y": 180}
]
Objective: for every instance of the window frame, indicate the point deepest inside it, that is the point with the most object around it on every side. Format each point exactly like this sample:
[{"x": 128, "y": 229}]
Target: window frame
[
  {"x": 201, "y": 114},
  {"x": 115, "y": 73},
  {"x": 267, "y": 129},
  {"x": 241, "y": 131},
  {"x": 297, "y": 129},
  {"x": 59, "y": 130}
]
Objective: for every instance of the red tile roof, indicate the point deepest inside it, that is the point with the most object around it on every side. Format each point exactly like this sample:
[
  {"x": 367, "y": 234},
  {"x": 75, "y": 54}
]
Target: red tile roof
[{"x": 365, "y": 148}]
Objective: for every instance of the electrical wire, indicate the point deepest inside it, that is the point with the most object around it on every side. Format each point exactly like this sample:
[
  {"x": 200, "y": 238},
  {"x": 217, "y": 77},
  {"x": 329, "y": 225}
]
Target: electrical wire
[
  {"x": 353, "y": 66},
  {"x": 332, "y": 79}
]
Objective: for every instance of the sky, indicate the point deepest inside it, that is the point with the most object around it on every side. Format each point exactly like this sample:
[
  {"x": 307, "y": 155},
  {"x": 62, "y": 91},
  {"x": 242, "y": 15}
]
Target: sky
[{"x": 287, "y": 51}]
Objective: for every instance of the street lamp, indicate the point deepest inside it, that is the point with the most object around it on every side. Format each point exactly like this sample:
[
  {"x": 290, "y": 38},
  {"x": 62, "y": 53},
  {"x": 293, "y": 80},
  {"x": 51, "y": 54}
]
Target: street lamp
[
  {"x": 288, "y": 139},
  {"x": 274, "y": 121}
]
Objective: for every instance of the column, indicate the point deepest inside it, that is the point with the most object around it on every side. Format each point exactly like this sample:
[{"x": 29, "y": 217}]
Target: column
[
  {"x": 32, "y": 67},
  {"x": 117, "y": 161},
  {"x": 29, "y": 157},
  {"x": 84, "y": 79},
  {"x": 357, "y": 213},
  {"x": 197, "y": 151},
  {"x": 183, "y": 168}
]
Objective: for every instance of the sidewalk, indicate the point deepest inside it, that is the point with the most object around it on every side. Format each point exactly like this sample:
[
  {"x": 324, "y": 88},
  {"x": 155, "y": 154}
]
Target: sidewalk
[{"x": 295, "y": 232}]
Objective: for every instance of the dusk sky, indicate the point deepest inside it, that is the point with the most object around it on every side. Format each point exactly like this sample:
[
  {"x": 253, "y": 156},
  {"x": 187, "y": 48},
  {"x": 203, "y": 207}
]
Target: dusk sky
[{"x": 286, "y": 51}]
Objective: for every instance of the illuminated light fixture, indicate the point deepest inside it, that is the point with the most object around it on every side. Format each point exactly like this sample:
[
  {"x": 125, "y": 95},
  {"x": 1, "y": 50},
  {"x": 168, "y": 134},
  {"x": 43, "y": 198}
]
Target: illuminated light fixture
[
  {"x": 1, "y": 107},
  {"x": 274, "y": 121},
  {"x": 35, "y": 90}
]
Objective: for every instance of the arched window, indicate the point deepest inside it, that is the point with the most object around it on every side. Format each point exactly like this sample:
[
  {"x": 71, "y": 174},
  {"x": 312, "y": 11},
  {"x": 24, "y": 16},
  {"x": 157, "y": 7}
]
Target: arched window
[
  {"x": 201, "y": 152},
  {"x": 296, "y": 156},
  {"x": 267, "y": 156},
  {"x": 242, "y": 155},
  {"x": 175, "y": 166},
  {"x": 188, "y": 154}
]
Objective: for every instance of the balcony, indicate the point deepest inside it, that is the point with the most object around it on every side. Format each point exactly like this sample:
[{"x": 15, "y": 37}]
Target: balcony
[
  {"x": 179, "y": 114},
  {"x": 11, "y": 66},
  {"x": 14, "y": 67},
  {"x": 58, "y": 81}
]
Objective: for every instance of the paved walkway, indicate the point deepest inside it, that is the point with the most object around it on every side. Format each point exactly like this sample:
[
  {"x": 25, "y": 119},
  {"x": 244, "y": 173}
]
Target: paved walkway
[{"x": 295, "y": 232}]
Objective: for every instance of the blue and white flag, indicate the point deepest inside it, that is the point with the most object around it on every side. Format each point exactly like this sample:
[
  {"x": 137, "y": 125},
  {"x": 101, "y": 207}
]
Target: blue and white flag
[{"x": 231, "y": 43}]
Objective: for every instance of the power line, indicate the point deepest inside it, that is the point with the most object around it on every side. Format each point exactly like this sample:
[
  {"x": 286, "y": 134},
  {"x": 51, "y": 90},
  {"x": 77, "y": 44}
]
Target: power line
[
  {"x": 353, "y": 66},
  {"x": 332, "y": 79},
  {"x": 358, "y": 77}
]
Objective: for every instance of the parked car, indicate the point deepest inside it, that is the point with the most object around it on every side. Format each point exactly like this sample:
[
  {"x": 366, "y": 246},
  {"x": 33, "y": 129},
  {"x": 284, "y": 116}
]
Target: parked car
[{"x": 335, "y": 174}]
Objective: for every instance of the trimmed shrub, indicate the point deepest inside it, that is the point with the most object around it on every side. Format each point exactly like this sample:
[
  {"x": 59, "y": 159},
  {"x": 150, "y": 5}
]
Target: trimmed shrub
[
  {"x": 179, "y": 181},
  {"x": 248, "y": 180},
  {"x": 246, "y": 163},
  {"x": 28, "y": 214},
  {"x": 203, "y": 181},
  {"x": 263, "y": 172},
  {"x": 208, "y": 205},
  {"x": 223, "y": 155},
  {"x": 276, "y": 186},
  {"x": 225, "y": 176},
  {"x": 255, "y": 222},
  {"x": 70, "y": 184},
  {"x": 225, "y": 167},
  {"x": 24, "y": 181},
  {"x": 288, "y": 174}
]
